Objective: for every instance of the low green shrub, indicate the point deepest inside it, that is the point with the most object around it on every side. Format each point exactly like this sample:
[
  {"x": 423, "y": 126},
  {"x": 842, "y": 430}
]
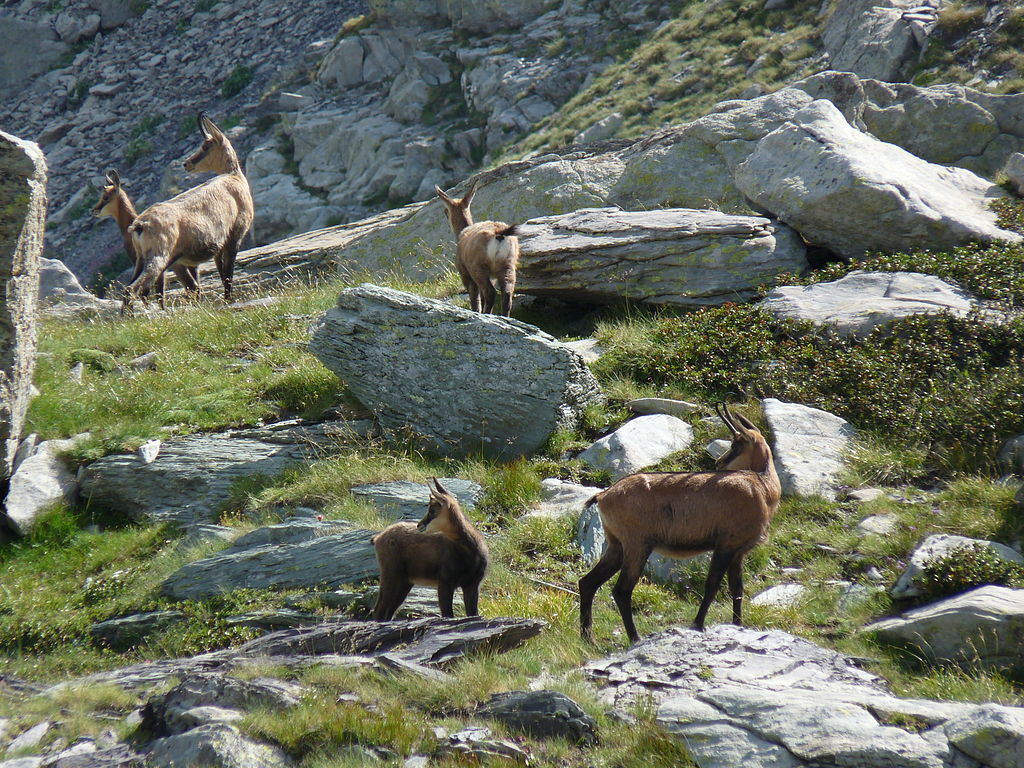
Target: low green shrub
[
  {"x": 235, "y": 82},
  {"x": 966, "y": 568}
]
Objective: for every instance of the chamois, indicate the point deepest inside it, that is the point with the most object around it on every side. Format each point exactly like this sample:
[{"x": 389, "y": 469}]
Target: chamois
[
  {"x": 681, "y": 514},
  {"x": 442, "y": 550},
  {"x": 114, "y": 202},
  {"x": 486, "y": 251},
  {"x": 208, "y": 221}
]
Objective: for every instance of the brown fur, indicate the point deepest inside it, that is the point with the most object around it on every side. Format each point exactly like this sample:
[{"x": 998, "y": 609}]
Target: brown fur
[
  {"x": 208, "y": 221},
  {"x": 487, "y": 253},
  {"x": 114, "y": 202},
  {"x": 682, "y": 514},
  {"x": 443, "y": 550}
]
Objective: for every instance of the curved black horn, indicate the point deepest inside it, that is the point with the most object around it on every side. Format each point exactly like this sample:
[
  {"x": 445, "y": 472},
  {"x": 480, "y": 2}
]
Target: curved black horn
[
  {"x": 441, "y": 488},
  {"x": 114, "y": 177},
  {"x": 722, "y": 409}
]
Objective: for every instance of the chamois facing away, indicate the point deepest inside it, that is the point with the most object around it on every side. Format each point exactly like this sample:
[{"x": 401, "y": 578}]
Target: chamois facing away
[
  {"x": 114, "y": 202},
  {"x": 442, "y": 550},
  {"x": 487, "y": 251},
  {"x": 681, "y": 514},
  {"x": 208, "y": 221}
]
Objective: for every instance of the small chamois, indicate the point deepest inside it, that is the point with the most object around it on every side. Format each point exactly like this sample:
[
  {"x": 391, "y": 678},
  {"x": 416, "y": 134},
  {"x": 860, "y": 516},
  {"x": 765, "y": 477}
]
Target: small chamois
[
  {"x": 681, "y": 514},
  {"x": 487, "y": 253},
  {"x": 442, "y": 550},
  {"x": 208, "y": 221}
]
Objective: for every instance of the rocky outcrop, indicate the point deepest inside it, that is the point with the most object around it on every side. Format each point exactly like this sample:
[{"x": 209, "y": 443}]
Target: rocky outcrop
[
  {"x": 23, "y": 190},
  {"x": 871, "y": 38},
  {"x": 29, "y": 50},
  {"x": 669, "y": 256},
  {"x": 941, "y": 545},
  {"x": 216, "y": 744},
  {"x": 809, "y": 447},
  {"x": 843, "y": 189},
  {"x": 403, "y": 356},
  {"x": 859, "y": 302},
  {"x": 192, "y": 478},
  {"x": 405, "y": 500},
  {"x": 639, "y": 443},
  {"x": 748, "y": 697},
  {"x": 983, "y": 626}
]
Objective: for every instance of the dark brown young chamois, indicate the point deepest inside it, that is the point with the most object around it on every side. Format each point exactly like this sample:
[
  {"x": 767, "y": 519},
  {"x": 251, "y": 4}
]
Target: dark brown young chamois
[
  {"x": 114, "y": 202},
  {"x": 442, "y": 550},
  {"x": 681, "y": 514},
  {"x": 208, "y": 221},
  {"x": 487, "y": 253}
]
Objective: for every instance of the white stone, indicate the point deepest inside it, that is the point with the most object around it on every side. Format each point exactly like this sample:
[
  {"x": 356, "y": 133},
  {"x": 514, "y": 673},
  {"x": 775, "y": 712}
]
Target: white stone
[
  {"x": 877, "y": 525},
  {"x": 149, "y": 450},
  {"x": 939, "y": 545},
  {"x": 29, "y": 739},
  {"x": 40, "y": 481},
  {"x": 991, "y": 734},
  {"x": 864, "y": 495},
  {"x": 648, "y": 405},
  {"x": 781, "y": 595},
  {"x": 718, "y": 448},
  {"x": 808, "y": 445},
  {"x": 1014, "y": 171},
  {"x": 560, "y": 498},
  {"x": 638, "y": 444}
]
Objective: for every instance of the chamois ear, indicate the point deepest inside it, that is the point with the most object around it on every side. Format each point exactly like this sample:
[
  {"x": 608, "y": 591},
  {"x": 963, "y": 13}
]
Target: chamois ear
[
  {"x": 208, "y": 127},
  {"x": 441, "y": 488},
  {"x": 468, "y": 197},
  {"x": 113, "y": 178}
]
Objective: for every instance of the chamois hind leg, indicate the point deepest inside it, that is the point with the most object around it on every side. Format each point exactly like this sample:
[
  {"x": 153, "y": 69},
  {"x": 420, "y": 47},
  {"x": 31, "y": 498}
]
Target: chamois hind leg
[
  {"x": 186, "y": 276},
  {"x": 736, "y": 587},
  {"x": 507, "y": 286},
  {"x": 228, "y": 266},
  {"x": 470, "y": 286},
  {"x": 622, "y": 592},
  {"x": 162, "y": 287},
  {"x": 719, "y": 561},
  {"x": 390, "y": 598},
  {"x": 607, "y": 566},
  {"x": 471, "y": 598},
  {"x": 445, "y": 599},
  {"x": 488, "y": 295}
]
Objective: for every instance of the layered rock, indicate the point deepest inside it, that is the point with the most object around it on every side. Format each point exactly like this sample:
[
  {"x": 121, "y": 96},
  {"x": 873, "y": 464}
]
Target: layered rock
[
  {"x": 859, "y": 302},
  {"x": 403, "y": 356},
  {"x": 871, "y": 38},
  {"x": 669, "y": 256},
  {"x": 23, "y": 190},
  {"x": 809, "y": 447}
]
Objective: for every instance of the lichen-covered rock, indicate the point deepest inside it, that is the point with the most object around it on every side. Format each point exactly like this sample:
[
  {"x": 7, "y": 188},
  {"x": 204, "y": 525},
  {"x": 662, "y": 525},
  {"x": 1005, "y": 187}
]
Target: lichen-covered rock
[
  {"x": 809, "y": 445},
  {"x": 541, "y": 714},
  {"x": 942, "y": 545},
  {"x": 218, "y": 745},
  {"x": 559, "y": 498},
  {"x": 639, "y": 443},
  {"x": 23, "y": 192},
  {"x": 126, "y": 631},
  {"x": 403, "y": 357},
  {"x": 859, "y": 302},
  {"x": 670, "y": 256},
  {"x": 870, "y": 38},
  {"x": 991, "y": 734},
  {"x": 844, "y": 189},
  {"x": 984, "y": 626}
]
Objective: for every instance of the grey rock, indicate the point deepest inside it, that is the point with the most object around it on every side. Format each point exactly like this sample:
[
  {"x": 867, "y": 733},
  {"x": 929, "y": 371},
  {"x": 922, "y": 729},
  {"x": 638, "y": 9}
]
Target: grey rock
[
  {"x": 402, "y": 356},
  {"x": 125, "y": 632},
  {"x": 29, "y": 50},
  {"x": 40, "y": 482},
  {"x": 488, "y": 18},
  {"x": 27, "y": 447},
  {"x": 325, "y": 560},
  {"x": 1014, "y": 170},
  {"x": 22, "y": 762},
  {"x": 192, "y": 478},
  {"x": 589, "y": 349},
  {"x": 58, "y": 285},
  {"x": 216, "y": 745},
  {"x": 639, "y": 443},
  {"x": 716, "y": 449},
  {"x": 29, "y": 738},
  {"x": 113, "y": 13},
  {"x": 877, "y": 525},
  {"x": 23, "y": 185},
  {"x": 343, "y": 66},
  {"x": 406, "y": 500},
  {"x": 477, "y": 744},
  {"x": 603, "y": 129},
  {"x": 864, "y": 495},
  {"x": 560, "y": 498},
  {"x": 149, "y": 450},
  {"x": 273, "y": 619},
  {"x": 809, "y": 446},
  {"x": 991, "y": 734},
  {"x": 846, "y": 190},
  {"x": 649, "y": 405},
  {"x": 421, "y": 602},
  {"x": 983, "y": 626},
  {"x": 870, "y": 38},
  {"x": 1011, "y": 455},
  {"x": 942, "y": 545},
  {"x": 71, "y": 28},
  {"x": 669, "y": 256},
  {"x": 859, "y": 302},
  {"x": 541, "y": 714},
  {"x": 780, "y": 596}
]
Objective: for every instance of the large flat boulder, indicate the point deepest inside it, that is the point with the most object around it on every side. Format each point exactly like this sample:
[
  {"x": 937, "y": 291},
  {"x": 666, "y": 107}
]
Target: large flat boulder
[
  {"x": 984, "y": 626},
  {"x": 406, "y": 500},
  {"x": 859, "y": 302},
  {"x": 192, "y": 478},
  {"x": 809, "y": 447},
  {"x": 671, "y": 256},
  {"x": 23, "y": 190},
  {"x": 844, "y": 189},
  {"x": 403, "y": 356}
]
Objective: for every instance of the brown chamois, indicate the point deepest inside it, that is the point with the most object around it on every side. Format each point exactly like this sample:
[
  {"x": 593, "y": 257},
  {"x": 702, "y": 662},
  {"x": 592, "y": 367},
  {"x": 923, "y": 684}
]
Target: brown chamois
[
  {"x": 681, "y": 514},
  {"x": 208, "y": 221},
  {"x": 114, "y": 202},
  {"x": 487, "y": 253},
  {"x": 442, "y": 550}
]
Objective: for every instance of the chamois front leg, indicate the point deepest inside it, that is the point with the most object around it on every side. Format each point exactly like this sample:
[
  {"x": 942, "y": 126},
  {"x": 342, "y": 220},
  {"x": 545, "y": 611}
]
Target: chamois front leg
[
  {"x": 488, "y": 294},
  {"x": 736, "y": 588},
  {"x": 187, "y": 277},
  {"x": 390, "y": 596},
  {"x": 446, "y": 599}
]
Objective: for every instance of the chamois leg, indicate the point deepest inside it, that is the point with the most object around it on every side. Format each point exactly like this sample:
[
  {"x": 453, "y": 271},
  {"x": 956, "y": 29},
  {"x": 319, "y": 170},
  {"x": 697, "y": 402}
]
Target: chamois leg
[
  {"x": 607, "y": 566},
  {"x": 622, "y": 592},
  {"x": 507, "y": 286},
  {"x": 162, "y": 287},
  {"x": 471, "y": 598},
  {"x": 186, "y": 276},
  {"x": 445, "y": 598},
  {"x": 736, "y": 588},
  {"x": 228, "y": 266},
  {"x": 389, "y": 599},
  {"x": 719, "y": 562},
  {"x": 488, "y": 294}
]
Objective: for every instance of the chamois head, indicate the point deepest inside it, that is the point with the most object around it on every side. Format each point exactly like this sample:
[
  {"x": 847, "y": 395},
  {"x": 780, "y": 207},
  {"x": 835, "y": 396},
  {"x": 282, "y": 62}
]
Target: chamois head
[
  {"x": 456, "y": 209},
  {"x": 749, "y": 450},
  {"x": 107, "y": 203},
  {"x": 441, "y": 507},
  {"x": 216, "y": 153}
]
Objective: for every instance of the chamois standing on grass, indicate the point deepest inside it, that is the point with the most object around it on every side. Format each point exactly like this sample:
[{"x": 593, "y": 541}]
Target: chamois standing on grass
[
  {"x": 442, "y": 550},
  {"x": 114, "y": 202},
  {"x": 681, "y": 514},
  {"x": 208, "y": 221},
  {"x": 487, "y": 251}
]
